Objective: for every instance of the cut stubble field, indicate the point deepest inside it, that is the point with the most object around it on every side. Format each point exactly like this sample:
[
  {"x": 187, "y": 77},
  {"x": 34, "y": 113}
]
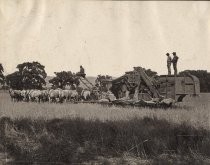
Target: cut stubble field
[{"x": 90, "y": 133}]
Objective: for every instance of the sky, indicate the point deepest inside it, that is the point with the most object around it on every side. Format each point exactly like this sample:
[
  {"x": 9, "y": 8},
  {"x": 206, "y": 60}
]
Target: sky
[{"x": 106, "y": 37}]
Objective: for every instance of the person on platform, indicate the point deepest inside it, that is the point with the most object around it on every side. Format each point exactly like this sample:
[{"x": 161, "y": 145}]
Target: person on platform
[
  {"x": 169, "y": 60},
  {"x": 174, "y": 61},
  {"x": 82, "y": 72}
]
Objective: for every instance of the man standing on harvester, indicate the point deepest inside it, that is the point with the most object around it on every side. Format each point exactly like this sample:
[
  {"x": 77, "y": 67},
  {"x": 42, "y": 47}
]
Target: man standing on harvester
[
  {"x": 169, "y": 63},
  {"x": 174, "y": 61}
]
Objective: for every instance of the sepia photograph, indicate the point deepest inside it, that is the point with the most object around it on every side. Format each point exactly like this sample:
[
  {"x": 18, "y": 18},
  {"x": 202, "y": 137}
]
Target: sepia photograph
[{"x": 93, "y": 82}]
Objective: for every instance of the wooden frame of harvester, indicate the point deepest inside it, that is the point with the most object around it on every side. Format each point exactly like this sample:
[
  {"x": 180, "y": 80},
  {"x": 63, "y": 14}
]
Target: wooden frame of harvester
[{"x": 138, "y": 89}]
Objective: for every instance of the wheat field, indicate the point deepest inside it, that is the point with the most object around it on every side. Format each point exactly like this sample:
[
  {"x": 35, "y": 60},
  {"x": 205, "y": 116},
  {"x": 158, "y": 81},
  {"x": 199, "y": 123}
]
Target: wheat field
[{"x": 194, "y": 110}]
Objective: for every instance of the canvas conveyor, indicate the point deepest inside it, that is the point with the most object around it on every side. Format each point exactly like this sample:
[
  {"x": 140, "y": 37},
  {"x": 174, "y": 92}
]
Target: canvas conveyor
[{"x": 86, "y": 82}]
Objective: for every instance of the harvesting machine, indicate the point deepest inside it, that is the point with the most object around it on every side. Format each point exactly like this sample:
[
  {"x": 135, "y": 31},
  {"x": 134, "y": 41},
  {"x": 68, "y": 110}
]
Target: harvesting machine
[
  {"x": 138, "y": 85},
  {"x": 138, "y": 89}
]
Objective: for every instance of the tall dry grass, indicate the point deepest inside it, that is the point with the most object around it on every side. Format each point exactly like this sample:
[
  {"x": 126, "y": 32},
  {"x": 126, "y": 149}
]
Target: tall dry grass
[{"x": 194, "y": 111}]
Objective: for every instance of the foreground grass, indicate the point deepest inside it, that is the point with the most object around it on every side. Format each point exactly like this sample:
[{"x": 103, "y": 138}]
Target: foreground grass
[{"x": 78, "y": 141}]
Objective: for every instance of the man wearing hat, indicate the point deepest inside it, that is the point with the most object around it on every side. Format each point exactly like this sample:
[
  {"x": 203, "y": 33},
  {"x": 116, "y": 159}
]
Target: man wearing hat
[
  {"x": 168, "y": 63},
  {"x": 174, "y": 61}
]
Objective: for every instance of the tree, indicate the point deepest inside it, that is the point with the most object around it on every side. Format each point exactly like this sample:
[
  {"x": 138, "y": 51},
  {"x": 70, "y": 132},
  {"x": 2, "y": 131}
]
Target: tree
[
  {"x": 14, "y": 80},
  {"x": 30, "y": 75},
  {"x": 102, "y": 81},
  {"x": 203, "y": 76},
  {"x": 100, "y": 78},
  {"x": 2, "y": 78},
  {"x": 64, "y": 78},
  {"x": 150, "y": 73}
]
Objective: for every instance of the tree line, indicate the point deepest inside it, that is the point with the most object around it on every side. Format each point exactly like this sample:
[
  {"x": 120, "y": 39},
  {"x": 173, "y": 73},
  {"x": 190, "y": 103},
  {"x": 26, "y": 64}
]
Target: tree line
[
  {"x": 203, "y": 76},
  {"x": 31, "y": 75}
]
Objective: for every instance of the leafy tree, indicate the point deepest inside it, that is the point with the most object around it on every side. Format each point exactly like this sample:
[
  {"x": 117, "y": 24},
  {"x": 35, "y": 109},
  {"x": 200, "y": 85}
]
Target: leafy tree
[
  {"x": 101, "y": 82},
  {"x": 203, "y": 76},
  {"x": 150, "y": 73},
  {"x": 30, "y": 75},
  {"x": 64, "y": 78},
  {"x": 14, "y": 80},
  {"x": 100, "y": 78},
  {"x": 2, "y": 78}
]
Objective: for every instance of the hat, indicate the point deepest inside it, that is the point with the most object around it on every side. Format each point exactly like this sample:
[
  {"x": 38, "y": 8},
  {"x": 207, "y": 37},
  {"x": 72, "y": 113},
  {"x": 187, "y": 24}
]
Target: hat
[
  {"x": 167, "y": 54},
  {"x": 174, "y": 53}
]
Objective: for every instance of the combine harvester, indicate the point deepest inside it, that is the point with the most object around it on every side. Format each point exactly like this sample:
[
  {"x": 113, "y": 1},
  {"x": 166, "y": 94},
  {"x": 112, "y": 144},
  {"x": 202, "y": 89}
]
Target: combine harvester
[{"x": 136, "y": 88}]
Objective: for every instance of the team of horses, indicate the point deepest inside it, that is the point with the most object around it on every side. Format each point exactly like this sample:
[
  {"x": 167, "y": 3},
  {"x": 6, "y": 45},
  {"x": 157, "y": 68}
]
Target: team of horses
[
  {"x": 51, "y": 95},
  {"x": 59, "y": 95}
]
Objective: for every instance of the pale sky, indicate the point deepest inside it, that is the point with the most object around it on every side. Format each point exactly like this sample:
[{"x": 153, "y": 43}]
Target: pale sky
[{"x": 106, "y": 37}]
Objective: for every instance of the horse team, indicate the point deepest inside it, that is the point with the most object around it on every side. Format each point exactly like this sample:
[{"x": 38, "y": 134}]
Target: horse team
[{"x": 50, "y": 95}]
